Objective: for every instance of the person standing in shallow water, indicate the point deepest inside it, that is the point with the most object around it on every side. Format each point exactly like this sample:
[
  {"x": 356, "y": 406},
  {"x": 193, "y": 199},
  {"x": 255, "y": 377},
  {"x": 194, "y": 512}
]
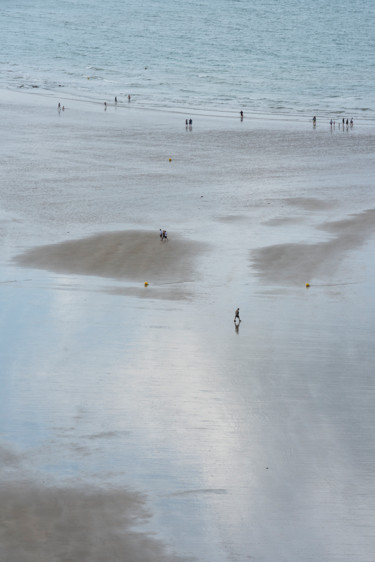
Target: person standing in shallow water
[{"x": 237, "y": 315}]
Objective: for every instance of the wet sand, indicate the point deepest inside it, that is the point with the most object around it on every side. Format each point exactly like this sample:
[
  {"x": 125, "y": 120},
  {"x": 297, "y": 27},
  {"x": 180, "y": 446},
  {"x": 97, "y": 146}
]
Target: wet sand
[
  {"x": 54, "y": 523},
  {"x": 137, "y": 423},
  {"x": 135, "y": 255},
  {"x": 299, "y": 262}
]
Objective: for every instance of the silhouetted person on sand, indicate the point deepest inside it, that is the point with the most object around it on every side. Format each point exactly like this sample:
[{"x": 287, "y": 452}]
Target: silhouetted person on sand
[{"x": 237, "y": 315}]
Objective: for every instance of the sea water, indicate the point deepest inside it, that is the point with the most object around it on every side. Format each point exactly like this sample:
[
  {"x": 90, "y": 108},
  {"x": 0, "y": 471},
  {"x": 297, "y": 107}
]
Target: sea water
[{"x": 270, "y": 56}]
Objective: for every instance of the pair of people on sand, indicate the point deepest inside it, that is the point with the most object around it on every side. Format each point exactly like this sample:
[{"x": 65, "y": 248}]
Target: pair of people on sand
[{"x": 163, "y": 235}]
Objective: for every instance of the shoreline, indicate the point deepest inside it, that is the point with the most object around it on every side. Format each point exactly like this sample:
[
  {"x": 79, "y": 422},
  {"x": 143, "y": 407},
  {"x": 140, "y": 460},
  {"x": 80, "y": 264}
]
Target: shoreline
[{"x": 259, "y": 119}]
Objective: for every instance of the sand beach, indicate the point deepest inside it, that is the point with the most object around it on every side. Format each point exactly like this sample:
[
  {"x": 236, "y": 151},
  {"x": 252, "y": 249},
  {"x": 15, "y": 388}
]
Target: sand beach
[{"x": 136, "y": 422}]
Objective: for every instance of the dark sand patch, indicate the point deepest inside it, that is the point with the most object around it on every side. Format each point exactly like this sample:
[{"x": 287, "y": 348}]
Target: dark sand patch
[
  {"x": 297, "y": 263},
  {"x": 130, "y": 255},
  {"x": 214, "y": 491},
  {"x": 53, "y": 524},
  {"x": 279, "y": 221},
  {"x": 355, "y": 228},
  {"x": 9, "y": 458},
  {"x": 108, "y": 435},
  {"x": 310, "y": 203},
  {"x": 232, "y": 218},
  {"x": 160, "y": 293}
]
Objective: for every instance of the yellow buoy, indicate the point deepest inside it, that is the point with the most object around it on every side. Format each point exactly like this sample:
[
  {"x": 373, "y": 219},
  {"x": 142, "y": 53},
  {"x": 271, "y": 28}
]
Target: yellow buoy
[
  {"x": 146, "y": 283},
  {"x": 170, "y": 159},
  {"x": 307, "y": 284}
]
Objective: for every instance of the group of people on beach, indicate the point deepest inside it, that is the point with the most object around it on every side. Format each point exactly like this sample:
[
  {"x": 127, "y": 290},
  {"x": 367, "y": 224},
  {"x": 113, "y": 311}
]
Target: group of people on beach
[
  {"x": 189, "y": 122},
  {"x": 163, "y": 235},
  {"x": 345, "y": 122},
  {"x": 62, "y": 108},
  {"x": 105, "y": 103}
]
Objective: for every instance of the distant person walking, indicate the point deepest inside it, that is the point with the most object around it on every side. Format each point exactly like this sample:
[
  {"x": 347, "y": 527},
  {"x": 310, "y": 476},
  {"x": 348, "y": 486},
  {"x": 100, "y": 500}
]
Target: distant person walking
[{"x": 237, "y": 315}]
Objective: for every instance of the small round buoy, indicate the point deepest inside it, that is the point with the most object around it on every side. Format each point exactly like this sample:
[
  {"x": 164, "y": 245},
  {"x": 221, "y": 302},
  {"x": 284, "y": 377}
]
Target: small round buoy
[
  {"x": 146, "y": 283},
  {"x": 170, "y": 159},
  {"x": 307, "y": 285}
]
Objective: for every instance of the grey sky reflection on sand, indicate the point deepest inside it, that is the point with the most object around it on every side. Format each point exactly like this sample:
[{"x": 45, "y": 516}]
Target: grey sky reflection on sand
[{"x": 96, "y": 379}]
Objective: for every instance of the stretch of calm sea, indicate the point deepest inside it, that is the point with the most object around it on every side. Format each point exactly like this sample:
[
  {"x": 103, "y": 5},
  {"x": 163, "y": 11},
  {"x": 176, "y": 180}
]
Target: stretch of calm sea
[{"x": 289, "y": 57}]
